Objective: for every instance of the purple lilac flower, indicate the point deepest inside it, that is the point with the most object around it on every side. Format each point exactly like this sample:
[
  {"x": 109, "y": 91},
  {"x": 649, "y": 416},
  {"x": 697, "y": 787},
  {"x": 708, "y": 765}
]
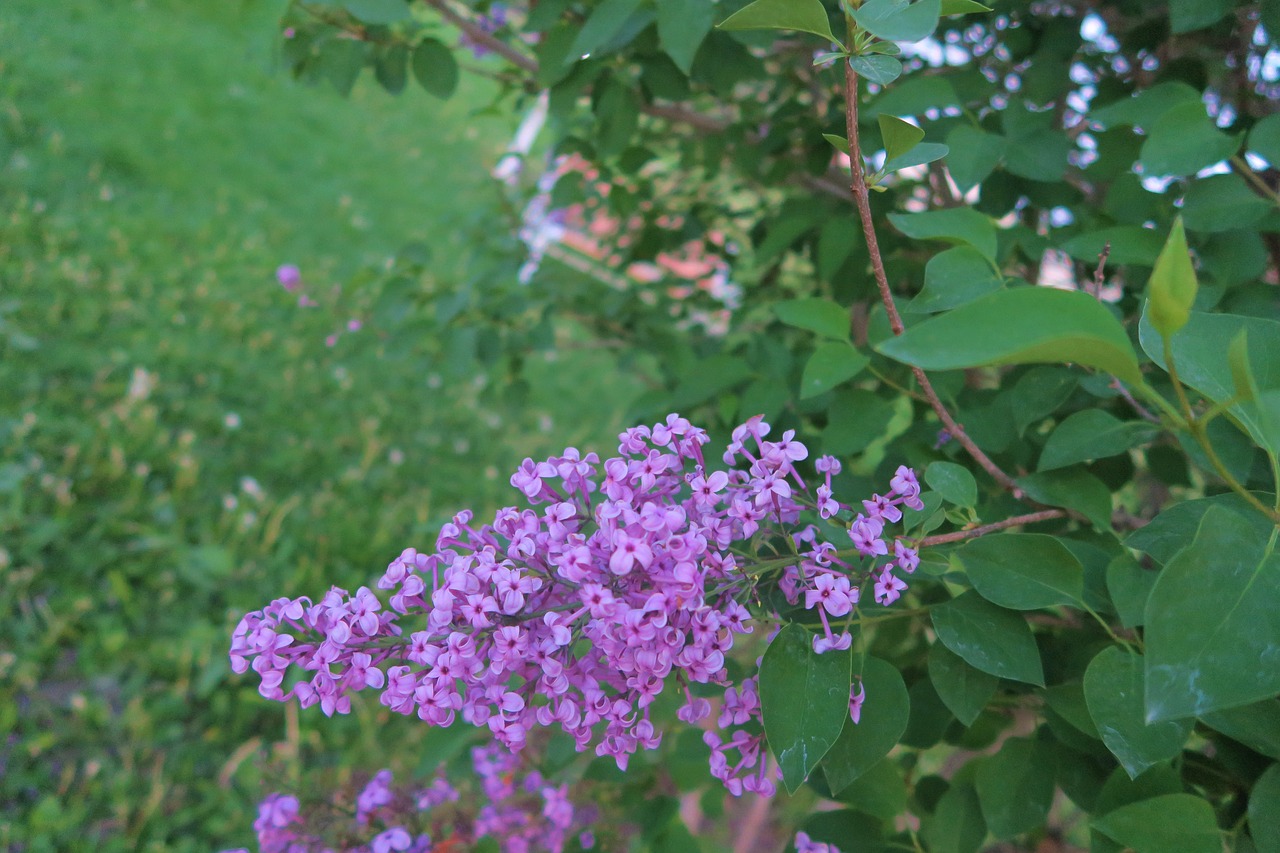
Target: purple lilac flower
[
  {"x": 805, "y": 845},
  {"x": 578, "y": 612},
  {"x": 289, "y": 277}
]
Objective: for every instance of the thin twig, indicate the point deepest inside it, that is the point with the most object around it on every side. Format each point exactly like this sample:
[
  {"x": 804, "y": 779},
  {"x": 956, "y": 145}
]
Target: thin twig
[
  {"x": 861, "y": 198},
  {"x": 975, "y": 532},
  {"x": 1099, "y": 274},
  {"x": 480, "y": 36},
  {"x": 1142, "y": 411}
]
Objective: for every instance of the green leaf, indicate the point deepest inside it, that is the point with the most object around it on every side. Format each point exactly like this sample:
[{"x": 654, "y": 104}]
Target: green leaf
[
  {"x": 1188, "y": 15},
  {"x": 973, "y": 155},
  {"x": 1146, "y": 107},
  {"x": 925, "y": 152},
  {"x": 876, "y": 68},
  {"x": 833, "y": 363},
  {"x": 954, "y": 277},
  {"x": 1184, "y": 141},
  {"x": 954, "y": 225},
  {"x": 1264, "y": 139},
  {"x": 840, "y": 143},
  {"x": 1130, "y": 244},
  {"x": 1039, "y": 392},
  {"x": 378, "y": 11},
  {"x": 1041, "y": 155},
  {"x": 1129, "y": 586},
  {"x": 1015, "y": 787},
  {"x": 817, "y": 315},
  {"x": 1113, "y": 691},
  {"x": 1264, "y": 811},
  {"x": 957, "y": 824},
  {"x": 804, "y": 701},
  {"x": 953, "y": 482},
  {"x": 604, "y": 23},
  {"x": 1222, "y": 203},
  {"x": 1068, "y": 701},
  {"x": 434, "y": 68},
  {"x": 964, "y": 689},
  {"x": 1174, "y": 823},
  {"x": 1212, "y": 624},
  {"x": 855, "y": 418},
  {"x": 682, "y": 25},
  {"x": 1172, "y": 289},
  {"x": 881, "y": 723},
  {"x": 1202, "y": 357},
  {"x": 340, "y": 62},
  {"x": 962, "y": 7},
  {"x": 1023, "y": 571},
  {"x": 390, "y": 68},
  {"x": 899, "y": 135},
  {"x": 988, "y": 637},
  {"x": 880, "y": 792},
  {"x": 1073, "y": 488},
  {"x": 807, "y": 16},
  {"x": 1256, "y": 725},
  {"x": 1174, "y": 528},
  {"x": 898, "y": 20},
  {"x": 1092, "y": 434},
  {"x": 1020, "y": 326}
]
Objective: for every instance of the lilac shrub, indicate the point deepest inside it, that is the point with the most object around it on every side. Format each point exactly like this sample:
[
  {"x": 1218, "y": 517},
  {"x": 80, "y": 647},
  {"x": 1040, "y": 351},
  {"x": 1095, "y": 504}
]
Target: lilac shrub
[
  {"x": 515, "y": 806},
  {"x": 635, "y": 574}
]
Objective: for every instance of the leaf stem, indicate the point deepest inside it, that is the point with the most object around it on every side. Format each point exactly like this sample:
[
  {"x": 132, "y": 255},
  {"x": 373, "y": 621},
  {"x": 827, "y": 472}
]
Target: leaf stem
[
  {"x": 975, "y": 532},
  {"x": 861, "y": 199},
  {"x": 1241, "y": 165}
]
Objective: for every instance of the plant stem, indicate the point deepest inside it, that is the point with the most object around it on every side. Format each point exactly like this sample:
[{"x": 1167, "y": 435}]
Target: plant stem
[
  {"x": 975, "y": 532},
  {"x": 861, "y": 199},
  {"x": 1241, "y": 165}
]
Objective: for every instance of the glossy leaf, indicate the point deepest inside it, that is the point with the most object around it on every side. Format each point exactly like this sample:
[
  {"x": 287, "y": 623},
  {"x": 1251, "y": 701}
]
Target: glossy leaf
[
  {"x": 822, "y": 316},
  {"x": 1202, "y": 356},
  {"x": 963, "y": 688},
  {"x": 925, "y": 152},
  {"x": 991, "y": 638},
  {"x": 1188, "y": 15},
  {"x": 957, "y": 825},
  {"x": 434, "y": 68},
  {"x": 1256, "y": 725},
  {"x": 1023, "y": 571},
  {"x": 962, "y": 7},
  {"x": 804, "y": 701},
  {"x": 1129, "y": 244},
  {"x": 1113, "y": 686},
  {"x": 1129, "y": 586},
  {"x": 877, "y": 68},
  {"x": 1172, "y": 289},
  {"x": 1015, "y": 787},
  {"x": 956, "y": 225},
  {"x": 1212, "y": 625},
  {"x": 832, "y": 363},
  {"x": 882, "y": 721},
  {"x": 953, "y": 278},
  {"x": 1092, "y": 434},
  {"x": 604, "y": 22},
  {"x": 1145, "y": 108},
  {"x": 1264, "y": 139},
  {"x": 1184, "y": 141},
  {"x": 807, "y": 16},
  {"x": 974, "y": 155},
  {"x": 1222, "y": 203},
  {"x": 1020, "y": 326},
  {"x": 1173, "y": 823},
  {"x": 880, "y": 791},
  {"x": 1174, "y": 528},
  {"x": 953, "y": 482},
  {"x": 1068, "y": 701},
  {"x": 682, "y": 26},
  {"x": 378, "y": 11},
  {"x": 1073, "y": 488},
  {"x": 899, "y": 20},
  {"x": 1264, "y": 810},
  {"x": 899, "y": 135}
]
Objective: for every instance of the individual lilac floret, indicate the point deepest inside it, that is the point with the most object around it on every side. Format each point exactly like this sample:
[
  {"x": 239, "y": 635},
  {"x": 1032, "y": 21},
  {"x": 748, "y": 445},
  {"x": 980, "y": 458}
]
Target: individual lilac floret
[
  {"x": 289, "y": 277},
  {"x": 622, "y": 577}
]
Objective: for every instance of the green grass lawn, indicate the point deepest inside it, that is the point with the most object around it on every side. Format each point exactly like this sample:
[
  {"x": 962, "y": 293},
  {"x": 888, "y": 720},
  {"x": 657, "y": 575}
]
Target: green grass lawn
[{"x": 177, "y": 442}]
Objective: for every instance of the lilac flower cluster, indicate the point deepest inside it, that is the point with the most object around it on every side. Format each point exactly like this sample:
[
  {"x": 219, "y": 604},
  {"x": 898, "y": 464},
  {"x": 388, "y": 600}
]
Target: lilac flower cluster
[
  {"x": 518, "y": 808},
  {"x": 806, "y": 845},
  {"x": 633, "y": 575}
]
